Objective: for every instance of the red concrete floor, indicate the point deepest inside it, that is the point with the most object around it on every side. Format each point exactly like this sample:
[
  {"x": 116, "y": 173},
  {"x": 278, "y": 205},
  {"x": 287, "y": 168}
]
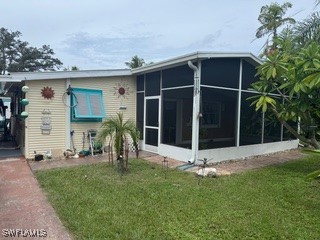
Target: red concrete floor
[{"x": 24, "y": 206}]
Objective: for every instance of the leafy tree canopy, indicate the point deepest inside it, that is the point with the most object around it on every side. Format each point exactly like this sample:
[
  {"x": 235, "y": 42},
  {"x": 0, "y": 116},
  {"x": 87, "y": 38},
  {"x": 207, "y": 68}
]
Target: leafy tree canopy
[
  {"x": 73, "y": 68},
  {"x": 307, "y": 31},
  {"x": 272, "y": 17},
  {"x": 18, "y": 56},
  {"x": 289, "y": 85},
  {"x": 295, "y": 77}
]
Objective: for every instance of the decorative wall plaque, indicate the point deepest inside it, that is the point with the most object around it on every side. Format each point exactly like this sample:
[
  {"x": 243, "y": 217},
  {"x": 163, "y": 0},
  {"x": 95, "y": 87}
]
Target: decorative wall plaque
[
  {"x": 47, "y": 92},
  {"x": 121, "y": 90},
  {"x": 46, "y": 122}
]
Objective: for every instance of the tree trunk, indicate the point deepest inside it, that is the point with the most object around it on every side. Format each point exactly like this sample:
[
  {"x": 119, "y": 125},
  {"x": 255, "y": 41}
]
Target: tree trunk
[
  {"x": 126, "y": 155},
  {"x": 311, "y": 141},
  {"x": 3, "y": 62},
  {"x": 137, "y": 150},
  {"x": 120, "y": 158},
  {"x": 111, "y": 150}
]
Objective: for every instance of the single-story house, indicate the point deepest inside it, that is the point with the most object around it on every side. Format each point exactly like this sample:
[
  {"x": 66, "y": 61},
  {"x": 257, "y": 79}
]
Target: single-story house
[{"x": 188, "y": 108}]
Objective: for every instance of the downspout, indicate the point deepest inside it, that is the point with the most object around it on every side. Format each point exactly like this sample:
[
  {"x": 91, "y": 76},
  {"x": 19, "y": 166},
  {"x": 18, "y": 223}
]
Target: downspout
[
  {"x": 195, "y": 113},
  {"x": 68, "y": 117}
]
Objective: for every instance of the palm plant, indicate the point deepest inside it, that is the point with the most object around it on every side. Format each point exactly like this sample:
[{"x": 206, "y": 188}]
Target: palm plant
[
  {"x": 117, "y": 129},
  {"x": 135, "y": 62},
  {"x": 308, "y": 30},
  {"x": 272, "y": 17}
]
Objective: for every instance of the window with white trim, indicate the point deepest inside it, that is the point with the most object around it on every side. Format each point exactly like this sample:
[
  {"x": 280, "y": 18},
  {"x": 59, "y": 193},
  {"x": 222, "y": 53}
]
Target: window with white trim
[
  {"x": 88, "y": 105},
  {"x": 211, "y": 114}
]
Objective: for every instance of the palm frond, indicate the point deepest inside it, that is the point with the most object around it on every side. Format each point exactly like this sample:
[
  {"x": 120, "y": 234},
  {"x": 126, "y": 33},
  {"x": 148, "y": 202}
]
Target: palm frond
[
  {"x": 118, "y": 129},
  {"x": 308, "y": 30}
]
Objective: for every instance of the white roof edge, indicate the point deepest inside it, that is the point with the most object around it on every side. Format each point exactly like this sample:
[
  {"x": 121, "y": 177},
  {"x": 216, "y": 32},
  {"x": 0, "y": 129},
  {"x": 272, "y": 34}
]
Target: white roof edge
[
  {"x": 195, "y": 56},
  {"x": 25, "y": 76},
  {"x": 8, "y": 78}
]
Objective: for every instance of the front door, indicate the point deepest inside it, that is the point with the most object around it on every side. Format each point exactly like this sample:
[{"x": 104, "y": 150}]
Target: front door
[{"x": 152, "y": 123}]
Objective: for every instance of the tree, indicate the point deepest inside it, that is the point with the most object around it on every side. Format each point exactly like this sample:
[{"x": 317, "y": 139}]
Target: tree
[
  {"x": 308, "y": 30},
  {"x": 295, "y": 77},
  {"x": 18, "y": 56},
  {"x": 271, "y": 18},
  {"x": 135, "y": 62},
  {"x": 301, "y": 34},
  {"x": 73, "y": 68},
  {"x": 118, "y": 130}
]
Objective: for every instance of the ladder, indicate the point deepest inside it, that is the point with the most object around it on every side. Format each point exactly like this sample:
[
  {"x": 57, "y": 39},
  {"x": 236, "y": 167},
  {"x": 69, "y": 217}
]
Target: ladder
[{"x": 92, "y": 133}]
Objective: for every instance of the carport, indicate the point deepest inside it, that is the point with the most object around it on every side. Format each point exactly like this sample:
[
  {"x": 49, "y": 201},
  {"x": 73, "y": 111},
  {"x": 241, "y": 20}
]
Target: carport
[{"x": 12, "y": 126}]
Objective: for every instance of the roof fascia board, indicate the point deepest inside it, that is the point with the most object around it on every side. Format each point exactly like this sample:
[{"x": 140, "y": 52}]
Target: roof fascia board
[
  {"x": 193, "y": 57},
  {"x": 8, "y": 78},
  {"x": 26, "y": 76},
  {"x": 173, "y": 61}
]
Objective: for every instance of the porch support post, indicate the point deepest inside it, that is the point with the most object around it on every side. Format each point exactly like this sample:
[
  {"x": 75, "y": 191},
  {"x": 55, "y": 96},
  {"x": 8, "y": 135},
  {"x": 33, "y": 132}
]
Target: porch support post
[
  {"x": 68, "y": 117},
  {"x": 195, "y": 112},
  {"x": 262, "y": 128},
  {"x": 239, "y": 106}
]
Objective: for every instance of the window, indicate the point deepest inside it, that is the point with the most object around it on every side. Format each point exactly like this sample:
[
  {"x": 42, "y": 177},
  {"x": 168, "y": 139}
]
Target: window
[
  {"x": 88, "y": 105},
  {"x": 211, "y": 112}
]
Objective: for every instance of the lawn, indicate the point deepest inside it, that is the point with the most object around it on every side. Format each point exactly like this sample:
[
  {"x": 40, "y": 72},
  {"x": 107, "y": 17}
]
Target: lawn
[{"x": 276, "y": 202}]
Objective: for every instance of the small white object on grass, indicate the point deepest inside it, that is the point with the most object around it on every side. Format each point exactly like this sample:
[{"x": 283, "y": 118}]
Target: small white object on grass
[{"x": 207, "y": 172}]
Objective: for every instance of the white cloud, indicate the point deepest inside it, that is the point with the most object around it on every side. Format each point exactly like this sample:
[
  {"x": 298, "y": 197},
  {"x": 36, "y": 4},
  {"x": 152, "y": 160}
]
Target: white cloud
[{"x": 104, "y": 34}]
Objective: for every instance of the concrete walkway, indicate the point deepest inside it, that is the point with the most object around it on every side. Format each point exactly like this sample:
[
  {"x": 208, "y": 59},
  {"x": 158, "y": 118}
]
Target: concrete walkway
[
  {"x": 237, "y": 165},
  {"x": 23, "y": 205}
]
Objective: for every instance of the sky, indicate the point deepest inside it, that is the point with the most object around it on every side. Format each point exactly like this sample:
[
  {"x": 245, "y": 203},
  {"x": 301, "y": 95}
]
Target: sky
[{"x": 104, "y": 34}]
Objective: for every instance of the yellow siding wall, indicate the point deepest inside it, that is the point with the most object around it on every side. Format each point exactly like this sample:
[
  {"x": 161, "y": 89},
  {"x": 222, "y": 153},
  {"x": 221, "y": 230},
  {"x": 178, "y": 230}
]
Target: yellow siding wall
[
  {"x": 56, "y": 140},
  {"x": 35, "y": 140},
  {"x": 111, "y": 99}
]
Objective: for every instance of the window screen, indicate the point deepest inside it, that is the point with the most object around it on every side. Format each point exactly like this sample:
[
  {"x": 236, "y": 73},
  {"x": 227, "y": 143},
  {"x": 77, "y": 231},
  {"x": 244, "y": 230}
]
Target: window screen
[
  {"x": 140, "y": 83},
  {"x": 222, "y": 72},
  {"x": 177, "y": 76},
  {"x": 250, "y": 121},
  {"x": 248, "y": 74},
  {"x": 218, "y": 122},
  {"x": 139, "y": 113},
  {"x": 152, "y": 87}
]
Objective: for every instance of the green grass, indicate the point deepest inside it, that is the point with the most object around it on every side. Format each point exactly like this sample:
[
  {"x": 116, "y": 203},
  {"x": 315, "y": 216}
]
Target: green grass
[{"x": 276, "y": 202}]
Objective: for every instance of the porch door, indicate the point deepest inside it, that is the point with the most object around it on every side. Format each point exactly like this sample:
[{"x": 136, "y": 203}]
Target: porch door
[{"x": 152, "y": 123}]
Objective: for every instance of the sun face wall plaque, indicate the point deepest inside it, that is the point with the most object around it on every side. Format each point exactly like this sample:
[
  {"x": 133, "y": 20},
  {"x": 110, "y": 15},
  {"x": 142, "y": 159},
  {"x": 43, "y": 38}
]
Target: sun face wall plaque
[
  {"x": 121, "y": 90},
  {"x": 47, "y": 92}
]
